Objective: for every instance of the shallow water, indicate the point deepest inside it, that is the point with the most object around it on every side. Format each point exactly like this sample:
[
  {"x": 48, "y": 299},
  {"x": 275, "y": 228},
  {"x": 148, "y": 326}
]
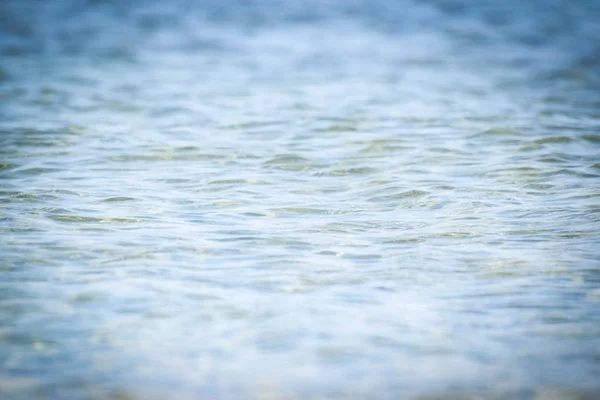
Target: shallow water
[{"x": 374, "y": 200}]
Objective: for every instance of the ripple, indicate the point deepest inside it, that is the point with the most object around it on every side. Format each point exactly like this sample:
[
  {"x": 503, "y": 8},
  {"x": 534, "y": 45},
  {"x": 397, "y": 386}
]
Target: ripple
[
  {"x": 84, "y": 219},
  {"x": 287, "y": 159},
  {"x": 556, "y": 139},
  {"x": 366, "y": 200},
  {"x": 591, "y": 138},
  {"x": 350, "y": 171},
  {"x": 8, "y": 166},
  {"x": 118, "y": 199},
  {"x": 170, "y": 157}
]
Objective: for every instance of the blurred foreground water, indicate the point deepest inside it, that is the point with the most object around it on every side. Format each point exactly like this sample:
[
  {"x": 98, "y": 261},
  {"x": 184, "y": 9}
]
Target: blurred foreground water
[{"x": 299, "y": 200}]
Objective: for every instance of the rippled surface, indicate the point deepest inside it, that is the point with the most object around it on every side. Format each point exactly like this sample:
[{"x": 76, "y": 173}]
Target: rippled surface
[{"x": 373, "y": 201}]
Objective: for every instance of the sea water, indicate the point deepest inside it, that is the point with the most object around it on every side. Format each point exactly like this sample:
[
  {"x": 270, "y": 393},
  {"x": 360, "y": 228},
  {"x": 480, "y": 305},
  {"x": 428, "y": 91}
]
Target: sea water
[{"x": 299, "y": 200}]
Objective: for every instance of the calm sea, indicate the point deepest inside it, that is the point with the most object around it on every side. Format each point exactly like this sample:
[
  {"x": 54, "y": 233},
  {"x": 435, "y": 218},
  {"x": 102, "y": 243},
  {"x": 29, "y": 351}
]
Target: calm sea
[{"x": 284, "y": 200}]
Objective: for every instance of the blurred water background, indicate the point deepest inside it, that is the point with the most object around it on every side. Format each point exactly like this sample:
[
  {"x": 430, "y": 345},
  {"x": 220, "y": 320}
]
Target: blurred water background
[{"x": 278, "y": 199}]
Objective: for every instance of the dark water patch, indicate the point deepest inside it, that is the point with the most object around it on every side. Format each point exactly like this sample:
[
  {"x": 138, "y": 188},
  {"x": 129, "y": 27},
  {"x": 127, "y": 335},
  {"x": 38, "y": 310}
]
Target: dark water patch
[
  {"x": 182, "y": 149},
  {"x": 571, "y": 172},
  {"x": 551, "y": 140},
  {"x": 118, "y": 199},
  {"x": 349, "y": 171},
  {"x": 405, "y": 195},
  {"x": 8, "y": 166},
  {"x": 287, "y": 159},
  {"x": 591, "y": 138},
  {"x": 383, "y": 148},
  {"x": 83, "y": 219},
  {"x": 253, "y": 125},
  {"x": 498, "y": 132},
  {"x": 338, "y": 128}
]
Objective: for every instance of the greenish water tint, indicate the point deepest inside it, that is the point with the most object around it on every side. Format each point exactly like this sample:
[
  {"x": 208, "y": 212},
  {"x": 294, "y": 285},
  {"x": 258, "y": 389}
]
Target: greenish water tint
[{"x": 379, "y": 200}]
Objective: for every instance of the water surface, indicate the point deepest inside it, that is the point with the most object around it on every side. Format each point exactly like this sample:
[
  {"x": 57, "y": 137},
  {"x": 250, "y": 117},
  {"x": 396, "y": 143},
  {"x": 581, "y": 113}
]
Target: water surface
[{"x": 275, "y": 200}]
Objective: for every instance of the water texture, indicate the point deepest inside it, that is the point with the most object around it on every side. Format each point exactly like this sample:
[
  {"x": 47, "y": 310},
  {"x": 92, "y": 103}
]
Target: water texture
[{"x": 299, "y": 200}]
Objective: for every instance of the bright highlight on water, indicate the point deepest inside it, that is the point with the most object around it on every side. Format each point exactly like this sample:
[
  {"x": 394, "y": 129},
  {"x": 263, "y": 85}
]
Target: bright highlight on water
[{"x": 299, "y": 200}]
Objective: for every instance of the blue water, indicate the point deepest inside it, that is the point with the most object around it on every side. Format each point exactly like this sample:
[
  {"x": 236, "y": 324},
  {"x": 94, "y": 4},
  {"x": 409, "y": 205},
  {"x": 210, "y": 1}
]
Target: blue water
[{"x": 299, "y": 200}]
